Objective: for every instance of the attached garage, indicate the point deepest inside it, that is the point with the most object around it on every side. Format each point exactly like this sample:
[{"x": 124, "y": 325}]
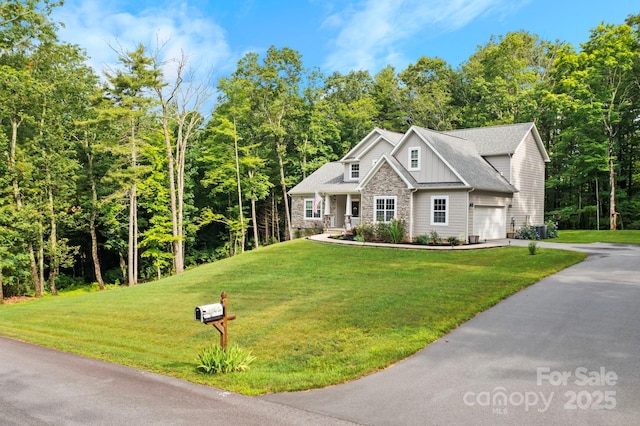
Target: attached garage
[{"x": 489, "y": 222}]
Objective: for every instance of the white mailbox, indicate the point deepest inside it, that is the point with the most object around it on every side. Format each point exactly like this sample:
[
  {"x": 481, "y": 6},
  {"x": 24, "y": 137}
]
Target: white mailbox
[{"x": 209, "y": 313}]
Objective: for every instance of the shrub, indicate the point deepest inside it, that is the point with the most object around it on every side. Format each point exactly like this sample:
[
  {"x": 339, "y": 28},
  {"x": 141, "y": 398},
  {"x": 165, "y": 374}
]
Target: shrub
[
  {"x": 552, "y": 229},
  {"x": 396, "y": 230},
  {"x": 359, "y": 238},
  {"x": 422, "y": 239},
  {"x": 453, "y": 240},
  {"x": 528, "y": 232},
  {"x": 214, "y": 359},
  {"x": 533, "y": 247},
  {"x": 364, "y": 230},
  {"x": 434, "y": 238},
  {"x": 382, "y": 232}
]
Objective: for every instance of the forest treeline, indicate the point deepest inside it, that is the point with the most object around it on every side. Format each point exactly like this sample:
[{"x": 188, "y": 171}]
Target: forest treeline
[{"x": 125, "y": 176}]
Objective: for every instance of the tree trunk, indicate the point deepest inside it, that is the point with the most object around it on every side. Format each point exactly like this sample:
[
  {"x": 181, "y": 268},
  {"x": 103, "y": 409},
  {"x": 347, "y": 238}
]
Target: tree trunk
[
  {"x": 240, "y": 207},
  {"x": 1, "y": 290},
  {"x": 178, "y": 260},
  {"x": 289, "y": 234},
  {"x": 15, "y": 123},
  {"x": 133, "y": 217},
  {"x": 254, "y": 222},
  {"x": 54, "y": 260},
  {"x": 92, "y": 219},
  {"x": 612, "y": 184}
]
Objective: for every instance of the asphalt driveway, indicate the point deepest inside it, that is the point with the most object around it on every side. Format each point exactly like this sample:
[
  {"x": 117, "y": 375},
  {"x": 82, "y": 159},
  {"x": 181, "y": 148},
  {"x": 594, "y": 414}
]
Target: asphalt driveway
[{"x": 564, "y": 351}]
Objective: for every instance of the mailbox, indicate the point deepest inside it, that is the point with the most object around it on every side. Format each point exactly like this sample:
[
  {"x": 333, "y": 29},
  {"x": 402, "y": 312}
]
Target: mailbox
[{"x": 209, "y": 313}]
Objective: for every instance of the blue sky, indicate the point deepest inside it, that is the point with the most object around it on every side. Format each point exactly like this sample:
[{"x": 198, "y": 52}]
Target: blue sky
[{"x": 330, "y": 34}]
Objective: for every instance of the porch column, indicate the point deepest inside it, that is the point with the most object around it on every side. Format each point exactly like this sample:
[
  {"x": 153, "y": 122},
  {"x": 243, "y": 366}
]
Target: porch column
[
  {"x": 347, "y": 213},
  {"x": 326, "y": 219}
]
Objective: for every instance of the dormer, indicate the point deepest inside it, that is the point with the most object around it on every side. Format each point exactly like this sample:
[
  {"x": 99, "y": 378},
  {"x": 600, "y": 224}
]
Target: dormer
[{"x": 362, "y": 157}]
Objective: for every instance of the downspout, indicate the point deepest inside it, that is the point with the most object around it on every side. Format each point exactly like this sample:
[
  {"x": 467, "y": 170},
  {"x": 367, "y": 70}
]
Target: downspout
[
  {"x": 469, "y": 225},
  {"x": 411, "y": 204}
]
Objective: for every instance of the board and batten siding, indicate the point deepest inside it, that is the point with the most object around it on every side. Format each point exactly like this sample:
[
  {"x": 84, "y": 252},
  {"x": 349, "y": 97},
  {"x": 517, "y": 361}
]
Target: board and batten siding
[
  {"x": 367, "y": 155},
  {"x": 432, "y": 168},
  {"x": 457, "y": 209},
  {"x": 528, "y": 177}
]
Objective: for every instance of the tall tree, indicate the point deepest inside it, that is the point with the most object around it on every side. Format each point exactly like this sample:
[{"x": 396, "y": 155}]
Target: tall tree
[
  {"x": 181, "y": 102},
  {"x": 600, "y": 81},
  {"x": 275, "y": 90},
  {"x": 428, "y": 94},
  {"x": 130, "y": 91}
]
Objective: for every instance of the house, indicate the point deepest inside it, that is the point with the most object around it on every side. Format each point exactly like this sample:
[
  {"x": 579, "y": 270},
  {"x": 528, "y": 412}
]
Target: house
[{"x": 480, "y": 182}]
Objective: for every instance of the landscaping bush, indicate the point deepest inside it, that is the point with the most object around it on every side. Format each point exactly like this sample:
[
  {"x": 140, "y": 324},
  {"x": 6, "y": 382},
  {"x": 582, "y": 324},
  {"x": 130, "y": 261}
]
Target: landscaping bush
[
  {"x": 552, "y": 229},
  {"x": 364, "y": 230},
  {"x": 214, "y": 359},
  {"x": 454, "y": 241},
  {"x": 423, "y": 239},
  {"x": 382, "y": 232},
  {"x": 434, "y": 238},
  {"x": 533, "y": 247},
  {"x": 396, "y": 230},
  {"x": 528, "y": 232}
]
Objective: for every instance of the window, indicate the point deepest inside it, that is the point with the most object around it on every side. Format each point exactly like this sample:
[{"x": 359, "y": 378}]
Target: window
[
  {"x": 355, "y": 170},
  {"x": 309, "y": 212},
  {"x": 384, "y": 209},
  {"x": 414, "y": 158},
  {"x": 439, "y": 210}
]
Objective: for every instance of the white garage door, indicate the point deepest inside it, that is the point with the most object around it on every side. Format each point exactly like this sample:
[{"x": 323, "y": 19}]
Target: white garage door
[{"x": 489, "y": 222}]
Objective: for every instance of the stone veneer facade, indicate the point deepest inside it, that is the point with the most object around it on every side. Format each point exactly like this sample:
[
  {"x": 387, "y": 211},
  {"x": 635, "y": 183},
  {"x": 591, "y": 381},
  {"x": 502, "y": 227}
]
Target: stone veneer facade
[{"x": 385, "y": 183}]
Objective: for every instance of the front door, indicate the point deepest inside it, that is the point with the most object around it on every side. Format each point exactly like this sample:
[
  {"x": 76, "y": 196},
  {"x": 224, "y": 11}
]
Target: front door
[{"x": 355, "y": 212}]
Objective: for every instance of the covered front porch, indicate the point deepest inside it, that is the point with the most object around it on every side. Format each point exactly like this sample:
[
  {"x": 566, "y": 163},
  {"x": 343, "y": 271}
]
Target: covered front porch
[{"x": 341, "y": 211}]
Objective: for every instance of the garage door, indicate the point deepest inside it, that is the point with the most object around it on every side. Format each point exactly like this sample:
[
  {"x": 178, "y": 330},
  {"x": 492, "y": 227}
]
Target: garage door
[{"x": 489, "y": 222}]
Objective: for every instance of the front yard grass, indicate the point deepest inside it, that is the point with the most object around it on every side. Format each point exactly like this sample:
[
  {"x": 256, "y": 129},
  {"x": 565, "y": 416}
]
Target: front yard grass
[
  {"x": 592, "y": 236},
  {"x": 313, "y": 314}
]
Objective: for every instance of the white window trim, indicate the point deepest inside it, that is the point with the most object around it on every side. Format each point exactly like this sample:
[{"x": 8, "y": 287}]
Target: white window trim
[
  {"x": 351, "y": 171},
  {"x": 385, "y": 197},
  {"x": 321, "y": 206},
  {"x": 446, "y": 211},
  {"x": 411, "y": 150}
]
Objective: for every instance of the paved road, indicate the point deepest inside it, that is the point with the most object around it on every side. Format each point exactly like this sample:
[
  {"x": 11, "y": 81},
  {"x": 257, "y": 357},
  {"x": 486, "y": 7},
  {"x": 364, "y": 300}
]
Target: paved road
[
  {"x": 40, "y": 386},
  {"x": 564, "y": 351}
]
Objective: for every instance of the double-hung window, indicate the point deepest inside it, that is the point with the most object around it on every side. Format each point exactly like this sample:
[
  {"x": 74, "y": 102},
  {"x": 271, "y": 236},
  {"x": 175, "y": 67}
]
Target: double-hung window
[
  {"x": 355, "y": 171},
  {"x": 384, "y": 208},
  {"x": 310, "y": 212},
  {"x": 414, "y": 159},
  {"x": 440, "y": 210}
]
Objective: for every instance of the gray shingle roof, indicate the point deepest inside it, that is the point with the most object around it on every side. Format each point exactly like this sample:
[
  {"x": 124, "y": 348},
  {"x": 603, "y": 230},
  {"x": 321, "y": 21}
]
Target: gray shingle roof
[
  {"x": 463, "y": 156},
  {"x": 495, "y": 140},
  {"x": 328, "y": 178}
]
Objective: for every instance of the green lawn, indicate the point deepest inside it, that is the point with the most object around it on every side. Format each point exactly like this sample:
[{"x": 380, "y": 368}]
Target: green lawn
[
  {"x": 585, "y": 237},
  {"x": 314, "y": 314}
]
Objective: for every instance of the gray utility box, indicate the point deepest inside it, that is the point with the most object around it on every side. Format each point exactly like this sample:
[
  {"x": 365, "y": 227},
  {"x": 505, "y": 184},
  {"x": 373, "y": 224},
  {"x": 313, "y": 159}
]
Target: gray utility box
[
  {"x": 542, "y": 231},
  {"x": 209, "y": 313}
]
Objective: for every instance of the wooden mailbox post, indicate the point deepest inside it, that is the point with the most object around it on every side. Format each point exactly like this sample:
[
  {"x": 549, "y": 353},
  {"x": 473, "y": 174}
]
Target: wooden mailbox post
[{"x": 216, "y": 315}]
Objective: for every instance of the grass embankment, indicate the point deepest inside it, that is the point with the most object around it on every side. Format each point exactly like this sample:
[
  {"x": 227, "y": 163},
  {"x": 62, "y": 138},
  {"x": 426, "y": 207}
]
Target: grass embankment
[
  {"x": 313, "y": 314},
  {"x": 586, "y": 237}
]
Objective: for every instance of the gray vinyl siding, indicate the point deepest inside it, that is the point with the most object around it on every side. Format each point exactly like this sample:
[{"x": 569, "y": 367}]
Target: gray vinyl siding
[
  {"x": 528, "y": 177},
  {"x": 502, "y": 163},
  {"x": 458, "y": 209},
  {"x": 432, "y": 168},
  {"x": 366, "y": 158}
]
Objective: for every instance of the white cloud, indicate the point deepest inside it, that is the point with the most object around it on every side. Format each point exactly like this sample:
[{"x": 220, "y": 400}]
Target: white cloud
[
  {"x": 100, "y": 27},
  {"x": 370, "y": 31}
]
